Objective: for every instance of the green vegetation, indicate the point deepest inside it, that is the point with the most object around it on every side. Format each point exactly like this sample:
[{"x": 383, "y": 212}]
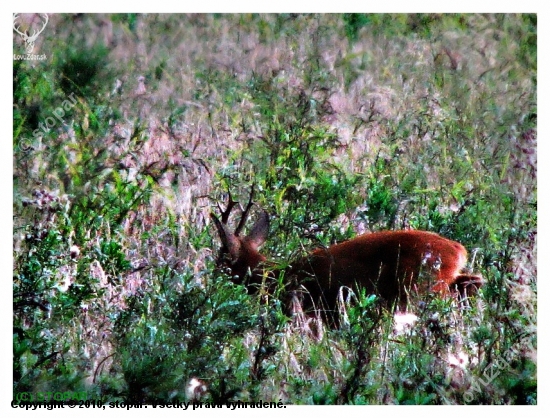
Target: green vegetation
[{"x": 343, "y": 124}]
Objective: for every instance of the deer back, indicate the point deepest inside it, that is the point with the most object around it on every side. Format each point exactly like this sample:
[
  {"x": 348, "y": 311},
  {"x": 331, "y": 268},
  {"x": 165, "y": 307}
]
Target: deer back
[{"x": 391, "y": 264}]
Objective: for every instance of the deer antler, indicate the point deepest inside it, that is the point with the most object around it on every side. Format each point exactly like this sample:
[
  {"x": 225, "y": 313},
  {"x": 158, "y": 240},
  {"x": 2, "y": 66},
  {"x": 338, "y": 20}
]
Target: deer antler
[
  {"x": 225, "y": 213},
  {"x": 36, "y": 33},
  {"x": 24, "y": 35},
  {"x": 230, "y": 205},
  {"x": 245, "y": 212}
]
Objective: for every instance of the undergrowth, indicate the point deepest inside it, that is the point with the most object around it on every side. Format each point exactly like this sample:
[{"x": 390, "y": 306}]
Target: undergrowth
[{"x": 341, "y": 124}]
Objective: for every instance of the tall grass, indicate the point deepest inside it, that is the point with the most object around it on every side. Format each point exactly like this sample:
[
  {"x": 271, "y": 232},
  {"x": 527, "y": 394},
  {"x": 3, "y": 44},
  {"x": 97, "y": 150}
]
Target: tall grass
[{"x": 343, "y": 124}]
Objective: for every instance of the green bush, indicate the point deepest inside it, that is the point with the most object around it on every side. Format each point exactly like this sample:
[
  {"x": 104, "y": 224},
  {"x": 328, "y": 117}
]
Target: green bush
[{"x": 340, "y": 124}]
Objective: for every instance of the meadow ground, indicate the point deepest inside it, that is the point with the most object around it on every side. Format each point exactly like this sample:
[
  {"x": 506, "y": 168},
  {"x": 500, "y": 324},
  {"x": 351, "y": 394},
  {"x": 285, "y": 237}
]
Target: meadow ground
[{"x": 135, "y": 128}]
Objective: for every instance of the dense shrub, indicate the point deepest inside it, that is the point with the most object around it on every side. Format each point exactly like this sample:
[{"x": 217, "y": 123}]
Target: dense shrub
[{"x": 341, "y": 124}]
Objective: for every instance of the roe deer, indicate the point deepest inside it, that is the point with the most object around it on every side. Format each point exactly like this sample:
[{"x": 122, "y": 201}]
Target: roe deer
[{"x": 388, "y": 264}]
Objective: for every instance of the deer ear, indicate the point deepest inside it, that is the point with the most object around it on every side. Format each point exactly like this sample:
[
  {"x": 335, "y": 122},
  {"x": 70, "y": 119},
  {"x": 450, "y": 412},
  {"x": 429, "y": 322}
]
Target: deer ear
[
  {"x": 258, "y": 233},
  {"x": 229, "y": 240}
]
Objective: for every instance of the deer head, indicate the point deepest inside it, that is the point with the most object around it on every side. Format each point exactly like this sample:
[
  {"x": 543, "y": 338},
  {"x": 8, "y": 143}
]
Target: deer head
[
  {"x": 30, "y": 39},
  {"x": 241, "y": 253}
]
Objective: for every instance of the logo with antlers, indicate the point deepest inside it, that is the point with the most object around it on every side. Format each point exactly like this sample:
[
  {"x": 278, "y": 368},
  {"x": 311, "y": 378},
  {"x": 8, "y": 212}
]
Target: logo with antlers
[{"x": 29, "y": 39}]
